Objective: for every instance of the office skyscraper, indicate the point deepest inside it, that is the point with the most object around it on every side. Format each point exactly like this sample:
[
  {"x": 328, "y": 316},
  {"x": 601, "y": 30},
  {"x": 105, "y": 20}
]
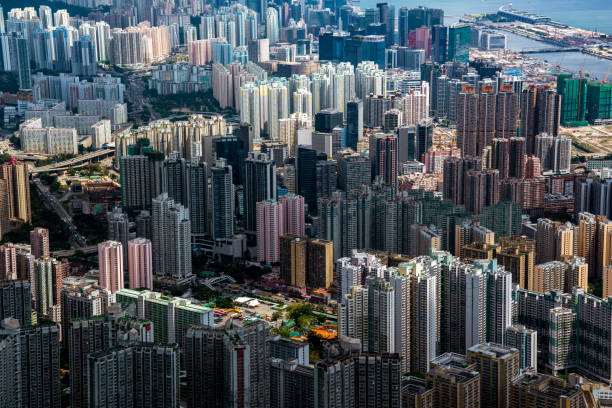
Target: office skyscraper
[
  {"x": 222, "y": 200},
  {"x": 140, "y": 263},
  {"x": 260, "y": 185},
  {"x": 307, "y": 176},
  {"x": 354, "y": 123},
  {"x": 110, "y": 265},
  {"x": 171, "y": 238}
]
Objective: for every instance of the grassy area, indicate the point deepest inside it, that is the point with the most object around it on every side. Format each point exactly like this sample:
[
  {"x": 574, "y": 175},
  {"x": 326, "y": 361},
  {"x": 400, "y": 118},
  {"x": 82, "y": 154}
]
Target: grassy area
[
  {"x": 167, "y": 105},
  {"x": 582, "y": 146}
]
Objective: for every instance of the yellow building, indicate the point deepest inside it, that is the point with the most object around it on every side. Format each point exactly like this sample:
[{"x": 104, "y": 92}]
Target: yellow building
[
  {"x": 293, "y": 260},
  {"x": 320, "y": 273}
]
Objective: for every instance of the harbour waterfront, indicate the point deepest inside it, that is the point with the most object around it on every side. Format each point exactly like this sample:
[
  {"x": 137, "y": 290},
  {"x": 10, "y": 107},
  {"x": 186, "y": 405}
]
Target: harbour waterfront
[
  {"x": 592, "y": 15},
  {"x": 570, "y": 12},
  {"x": 571, "y": 61}
]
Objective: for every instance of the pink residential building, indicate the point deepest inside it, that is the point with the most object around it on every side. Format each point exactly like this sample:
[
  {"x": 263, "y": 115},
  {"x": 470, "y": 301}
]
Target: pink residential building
[
  {"x": 110, "y": 264},
  {"x": 39, "y": 242},
  {"x": 200, "y": 51},
  {"x": 293, "y": 213},
  {"x": 140, "y": 263},
  {"x": 270, "y": 226}
]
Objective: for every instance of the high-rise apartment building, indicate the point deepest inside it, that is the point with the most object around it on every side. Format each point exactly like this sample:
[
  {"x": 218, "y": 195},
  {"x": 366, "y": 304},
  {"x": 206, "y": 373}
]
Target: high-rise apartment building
[
  {"x": 498, "y": 366},
  {"x": 549, "y": 276},
  {"x": 454, "y": 386},
  {"x": 540, "y": 113},
  {"x": 140, "y": 263},
  {"x": 16, "y": 301},
  {"x": 30, "y": 357},
  {"x": 382, "y": 314},
  {"x": 320, "y": 271},
  {"x": 141, "y": 179},
  {"x": 229, "y": 364},
  {"x": 354, "y": 379},
  {"x": 383, "y": 155},
  {"x": 39, "y": 242},
  {"x": 260, "y": 176},
  {"x": 526, "y": 342},
  {"x": 532, "y": 387},
  {"x": 16, "y": 179},
  {"x": 292, "y": 207},
  {"x": 171, "y": 238},
  {"x": 353, "y": 170},
  {"x": 270, "y": 226},
  {"x": 8, "y": 262},
  {"x": 81, "y": 298},
  {"x": 222, "y": 200},
  {"x": 293, "y": 259},
  {"x": 85, "y": 336},
  {"x": 291, "y": 384},
  {"x": 353, "y": 315},
  {"x": 467, "y": 121},
  {"x": 42, "y": 281},
  {"x": 110, "y": 265},
  {"x": 140, "y": 375}
]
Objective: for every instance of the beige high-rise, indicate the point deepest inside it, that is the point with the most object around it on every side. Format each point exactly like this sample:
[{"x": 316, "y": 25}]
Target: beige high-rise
[
  {"x": 604, "y": 245},
  {"x": 564, "y": 241},
  {"x": 586, "y": 242},
  {"x": 17, "y": 187}
]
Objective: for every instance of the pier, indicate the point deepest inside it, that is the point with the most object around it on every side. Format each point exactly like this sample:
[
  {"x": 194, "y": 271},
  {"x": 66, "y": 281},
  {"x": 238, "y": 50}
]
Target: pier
[{"x": 543, "y": 50}]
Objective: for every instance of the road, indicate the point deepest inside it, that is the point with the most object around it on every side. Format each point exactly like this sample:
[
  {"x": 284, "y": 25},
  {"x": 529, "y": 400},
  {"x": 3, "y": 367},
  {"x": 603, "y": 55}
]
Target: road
[
  {"x": 70, "y": 252},
  {"x": 76, "y": 239},
  {"x": 83, "y": 158}
]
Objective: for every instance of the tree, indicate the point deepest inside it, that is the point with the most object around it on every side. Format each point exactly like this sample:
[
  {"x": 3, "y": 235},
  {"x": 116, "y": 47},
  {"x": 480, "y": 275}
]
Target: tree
[
  {"x": 277, "y": 315},
  {"x": 202, "y": 293},
  {"x": 295, "y": 311},
  {"x": 47, "y": 178},
  {"x": 225, "y": 303}
]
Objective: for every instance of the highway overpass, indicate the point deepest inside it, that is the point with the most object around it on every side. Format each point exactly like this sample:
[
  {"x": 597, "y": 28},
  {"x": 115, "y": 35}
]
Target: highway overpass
[{"x": 78, "y": 161}]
